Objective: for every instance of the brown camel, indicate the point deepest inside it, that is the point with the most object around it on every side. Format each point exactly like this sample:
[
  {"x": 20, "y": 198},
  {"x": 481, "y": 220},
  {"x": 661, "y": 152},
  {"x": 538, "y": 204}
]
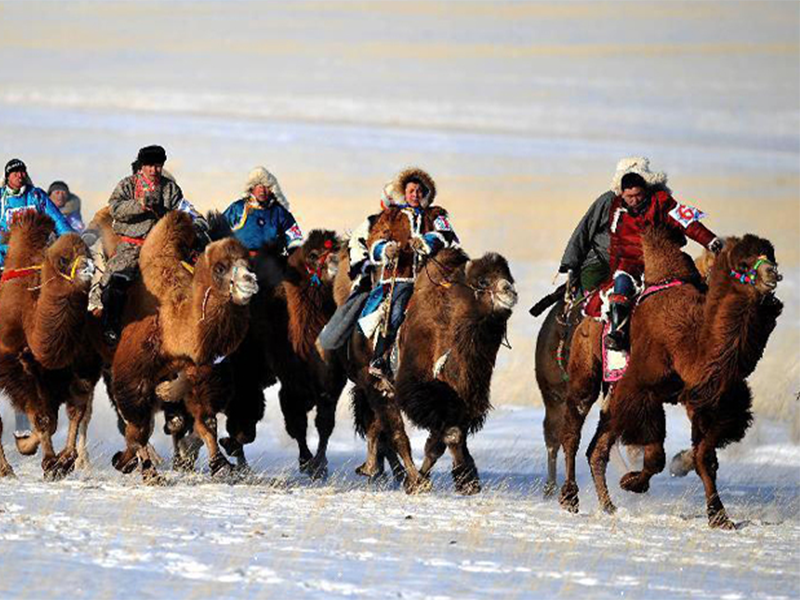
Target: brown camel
[
  {"x": 454, "y": 325},
  {"x": 700, "y": 358},
  {"x": 201, "y": 319},
  {"x": 44, "y": 360},
  {"x": 288, "y": 314}
]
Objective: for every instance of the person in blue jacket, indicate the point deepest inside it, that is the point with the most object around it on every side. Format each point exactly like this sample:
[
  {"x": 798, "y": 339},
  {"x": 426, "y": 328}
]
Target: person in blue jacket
[
  {"x": 18, "y": 194},
  {"x": 262, "y": 216}
]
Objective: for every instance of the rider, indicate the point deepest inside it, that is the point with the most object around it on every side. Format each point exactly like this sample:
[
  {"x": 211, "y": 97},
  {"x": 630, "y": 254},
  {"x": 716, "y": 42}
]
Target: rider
[
  {"x": 399, "y": 260},
  {"x": 18, "y": 194},
  {"x": 68, "y": 203},
  {"x": 262, "y": 215},
  {"x": 136, "y": 204}
]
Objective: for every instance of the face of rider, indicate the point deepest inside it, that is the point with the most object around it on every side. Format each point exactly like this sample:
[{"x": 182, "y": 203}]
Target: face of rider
[
  {"x": 261, "y": 193},
  {"x": 634, "y": 196},
  {"x": 413, "y": 194},
  {"x": 152, "y": 172},
  {"x": 15, "y": 180},
  {"x": 59, "y": 197}
]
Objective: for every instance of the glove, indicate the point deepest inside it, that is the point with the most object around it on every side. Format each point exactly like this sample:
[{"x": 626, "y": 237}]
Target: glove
[
  {"x": 419, "y": 246},
  {"x": 89, "y": 237},
  {"x": 390, "y": 251},
  {"x": 716, "y": 245}
]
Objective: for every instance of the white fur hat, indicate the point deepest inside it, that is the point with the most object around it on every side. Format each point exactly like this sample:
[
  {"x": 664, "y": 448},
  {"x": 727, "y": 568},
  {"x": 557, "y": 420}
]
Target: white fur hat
[
  {"x": 394, "y": 191},
  {"x": 641, "y": 166},
  {"x": 260, "y": 176}
]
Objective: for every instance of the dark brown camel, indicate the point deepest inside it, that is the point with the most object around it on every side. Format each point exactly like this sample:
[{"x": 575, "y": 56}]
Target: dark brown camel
[
  {"x": 44, "y": 360},
  {"x": 700, "y": 360},
  {"x": 201, "y": 319},
  {"x": 288, "y": 314}
]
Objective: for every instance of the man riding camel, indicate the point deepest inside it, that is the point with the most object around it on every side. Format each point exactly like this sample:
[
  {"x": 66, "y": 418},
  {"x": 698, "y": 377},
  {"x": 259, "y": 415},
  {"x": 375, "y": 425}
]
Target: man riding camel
[
  {"x": 610, "y": 234},
  {"x": 262, "y": 215},
  {"x": 136, "y": 205},
  {"x": 18, "y": 194},
  {"x": 398, "y": 253}
]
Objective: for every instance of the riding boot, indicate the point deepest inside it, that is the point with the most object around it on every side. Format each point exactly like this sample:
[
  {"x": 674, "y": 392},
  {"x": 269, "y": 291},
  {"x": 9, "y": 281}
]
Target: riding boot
[
  {"x": 113, "y": 298},
  {"x": 617, "y": 337},
  {"x": 379, "y": 367}
]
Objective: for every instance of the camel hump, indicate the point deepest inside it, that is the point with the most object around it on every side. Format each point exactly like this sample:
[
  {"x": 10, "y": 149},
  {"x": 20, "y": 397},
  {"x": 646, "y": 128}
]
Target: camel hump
[
  {"x": 30, "y": 224},
  {"x": 102, "y": 219},
  {"x": 451, "y": 258},
  {"x": 173, "y": 233},
  {"x": 218, "y": 226}
]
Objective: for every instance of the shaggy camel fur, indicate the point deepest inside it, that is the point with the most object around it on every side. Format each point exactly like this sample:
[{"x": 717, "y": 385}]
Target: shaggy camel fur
[
  {"x": 454, "y": 325},
  {"x": 287, "y": 317},
  {"x": 202, "y": 318},
  {"x": 44, "y": 360},
  {"x": 700, "y": 359}
]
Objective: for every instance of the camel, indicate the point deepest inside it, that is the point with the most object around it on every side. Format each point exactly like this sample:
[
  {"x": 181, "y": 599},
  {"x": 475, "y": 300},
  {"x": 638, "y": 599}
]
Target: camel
[
  {"x": 701, "y": 361},
  {"x": 295, "y": 302},
  {"x": 454, "y": 325},
  {"x": 202, "y": 317},
  {"x": 44, "y": 361}
]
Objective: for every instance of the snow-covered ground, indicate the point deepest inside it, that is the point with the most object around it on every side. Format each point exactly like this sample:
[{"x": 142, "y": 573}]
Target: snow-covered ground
[
  {"x": 102, "y": 535},
  {"x": 520, "y": 111}
]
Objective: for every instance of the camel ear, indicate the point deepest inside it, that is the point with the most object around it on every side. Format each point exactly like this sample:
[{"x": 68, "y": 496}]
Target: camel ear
[{"x": 466, "y": 269}]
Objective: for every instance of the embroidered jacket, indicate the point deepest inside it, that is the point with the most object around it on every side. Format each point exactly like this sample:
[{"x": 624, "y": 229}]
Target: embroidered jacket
[
  {"x": 29, "y": 198},
  {"x": 255, "y": 225},
  {"x": 626, "y": 228},
  {"x": 401, "y": 223}
]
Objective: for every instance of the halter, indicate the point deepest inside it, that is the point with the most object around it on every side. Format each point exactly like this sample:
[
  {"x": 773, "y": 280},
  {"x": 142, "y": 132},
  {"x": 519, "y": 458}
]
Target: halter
[
  {"x": 316, "y": 273},
  {"x": 751, "y": 276},
  {"x": 24, "y": 271}
]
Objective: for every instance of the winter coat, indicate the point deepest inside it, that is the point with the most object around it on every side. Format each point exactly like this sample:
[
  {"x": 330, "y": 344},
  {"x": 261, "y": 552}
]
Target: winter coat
[
  {"x": 255, "y": 225},
  {"x": 29, "y": 198},
  {"x": 590, "y": 240},
  {"x": 401, "y": 223},
  {"x": 72, "y": 211},
  {"x": 134, "y": 219},
  {"x": 626, "y": 228}
]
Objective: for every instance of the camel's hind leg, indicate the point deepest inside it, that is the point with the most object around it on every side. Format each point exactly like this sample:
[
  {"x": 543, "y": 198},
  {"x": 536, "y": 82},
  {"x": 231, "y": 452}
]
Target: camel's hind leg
[
  {"x": 373, "y": 465},
  {"x": 434, "y": 448},
  {"x": 393, "y": 422},
  {"x": 325, "y": 421},
  {"x": 5, "y": 467},
  {"x": 554, "y": 415},
  {"x": 83, "y": 462},
  {"x": 296, "y": 422},
  {"x": 465, "y": 473}
]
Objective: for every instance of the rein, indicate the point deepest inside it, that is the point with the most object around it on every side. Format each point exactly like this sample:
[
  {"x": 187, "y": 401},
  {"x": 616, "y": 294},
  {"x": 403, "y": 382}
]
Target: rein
[
  {"x": 751, "y": 276},
  {"x": 25, "y": 271}
]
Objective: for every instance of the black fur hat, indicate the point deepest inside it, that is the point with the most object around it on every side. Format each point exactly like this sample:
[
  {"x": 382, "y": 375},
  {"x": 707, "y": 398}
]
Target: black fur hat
[{"x": 151, "y": 155}]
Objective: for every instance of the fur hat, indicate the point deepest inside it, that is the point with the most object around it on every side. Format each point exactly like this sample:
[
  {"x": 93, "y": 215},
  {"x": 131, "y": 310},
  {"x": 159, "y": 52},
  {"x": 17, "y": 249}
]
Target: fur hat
[
  {"x": 394, "y": 191},
  {"x": 15, "y": 164},
  {"x": 57, "y": 185},
  {"x": 641, "y": 166},
  {"x": 260, "y": 176}
]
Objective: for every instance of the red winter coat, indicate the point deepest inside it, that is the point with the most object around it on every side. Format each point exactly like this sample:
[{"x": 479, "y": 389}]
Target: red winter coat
[{"x": 626, "y": 229}]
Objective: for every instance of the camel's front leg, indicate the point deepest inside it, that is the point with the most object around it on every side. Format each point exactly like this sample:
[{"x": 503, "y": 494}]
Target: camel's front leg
[
  {"x": 5, "y": 467},
  {"x": 434, "y": 448},
  {"x": 465, "y": 473},
  {"x": 44, "y": 427},
  {"x": 325, "y": 421},
  {"x": 83, "y": 461},
  {"x": 205, "y": 426},
  {"x": 373, "y": 465},
  {"x": 66, "y": 458},
  {"x": 296, "y": 421},
  {"x": 393, "y": 422},
  {"x": 598, "y": 453}
]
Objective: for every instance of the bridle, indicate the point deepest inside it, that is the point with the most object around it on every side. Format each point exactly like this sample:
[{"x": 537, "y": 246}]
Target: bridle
[
  {"x": 316, "y": 272},
  {"x": 9, "y": 274},
  {"x": 751, "y": 275}
]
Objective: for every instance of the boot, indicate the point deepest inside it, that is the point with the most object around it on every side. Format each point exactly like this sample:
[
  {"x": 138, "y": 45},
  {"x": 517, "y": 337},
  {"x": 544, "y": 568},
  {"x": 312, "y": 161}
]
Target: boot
[
  {"x": 617, "y": 337},
  {"x": 113, "y": 298},
  {"x": 379, "y": 367}
]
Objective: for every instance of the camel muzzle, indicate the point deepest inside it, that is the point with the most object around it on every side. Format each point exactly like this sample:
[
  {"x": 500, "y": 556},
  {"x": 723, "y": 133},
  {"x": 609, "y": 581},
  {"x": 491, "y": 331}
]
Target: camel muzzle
[
  {"x": 506, "y": 296},
  {"x": 244, "y": 284}
]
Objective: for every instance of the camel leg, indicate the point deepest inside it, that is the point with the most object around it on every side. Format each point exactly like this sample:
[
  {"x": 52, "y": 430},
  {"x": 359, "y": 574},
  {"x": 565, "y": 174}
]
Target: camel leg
[
  {"x": 325, "y": 421},
  {"x": 296, "y": 421},
  {"x": 65, "y": 461},
  {"x": 574, "y": 418},
  {"x": 5, "y": 467},
  {"x": 682, "y": 463},
  {"x": 554, "y": 415},
  {"x": 465, "y": 473},
  {"x": 598, "y": 454},
  {"x": 434, "y": 448},
  {"x": 83, "y": 461},
  {"x": 205, "y": 426},
  {"x": 44, "y": 425},
  {"x": 706, "y": 465},
  {"x": 393, "y": 420},
  {"x": 654, "y": 462},
  {"x": 186, "y": 449},
  {"x": 385, "y": 451},
  {"x": 373, "y": 465}
]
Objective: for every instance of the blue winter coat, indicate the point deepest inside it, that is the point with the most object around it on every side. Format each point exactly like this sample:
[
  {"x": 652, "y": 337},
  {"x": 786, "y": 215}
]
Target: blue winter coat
[
  {"x": 32, "y": 198},
  {"x": 254, "y": 225}
]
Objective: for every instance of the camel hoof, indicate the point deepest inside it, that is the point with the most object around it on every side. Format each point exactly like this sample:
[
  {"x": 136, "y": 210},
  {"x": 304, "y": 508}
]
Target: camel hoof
[
  {"x": 634, "y": 482},
  {"x": 316, "y": 469},
  {"x": 549, "y": 489},
  {"x": 7, "y": 471},
  {"x": 371, "y": 474},
  {"x": 125, "y": 465},
  {"x": 466, "y": 481},
  {"x": 232, "y": 448},
  {"x": 469, "y": 488},
  {"x": 682, "y": 464},
  {"x": 183, "y": 464},
  {"x": 421, "y": 485},
  {"x": 152, "y": 477},
  {"x": 27, "y": 445},
  {"x": 609, "y": 508},
  {"x": 82, "y": 463},
  {"x": 569, "y": 497},
  {"x": 720, "y": 520},
  {"x": 220, "y": 467}
]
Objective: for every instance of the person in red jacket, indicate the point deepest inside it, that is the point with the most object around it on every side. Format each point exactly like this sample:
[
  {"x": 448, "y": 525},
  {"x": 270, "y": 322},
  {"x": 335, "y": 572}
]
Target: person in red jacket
[{"x": 638, "y": 206}]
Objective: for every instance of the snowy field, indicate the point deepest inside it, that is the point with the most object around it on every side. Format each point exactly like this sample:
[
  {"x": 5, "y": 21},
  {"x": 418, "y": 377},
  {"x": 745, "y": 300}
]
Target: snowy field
[{"x": 520, "y": 111}]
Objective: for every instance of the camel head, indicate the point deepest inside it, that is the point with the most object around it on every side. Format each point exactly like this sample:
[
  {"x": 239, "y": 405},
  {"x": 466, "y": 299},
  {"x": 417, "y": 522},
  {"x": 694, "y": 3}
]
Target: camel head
[
  {"x": 491, "y": 280},
  {"x": 223, "y": 270},
  {"x": 750, "y": 261},
  {"x": 318, "y": 256},
  {"x": 68, "y": 259}
]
